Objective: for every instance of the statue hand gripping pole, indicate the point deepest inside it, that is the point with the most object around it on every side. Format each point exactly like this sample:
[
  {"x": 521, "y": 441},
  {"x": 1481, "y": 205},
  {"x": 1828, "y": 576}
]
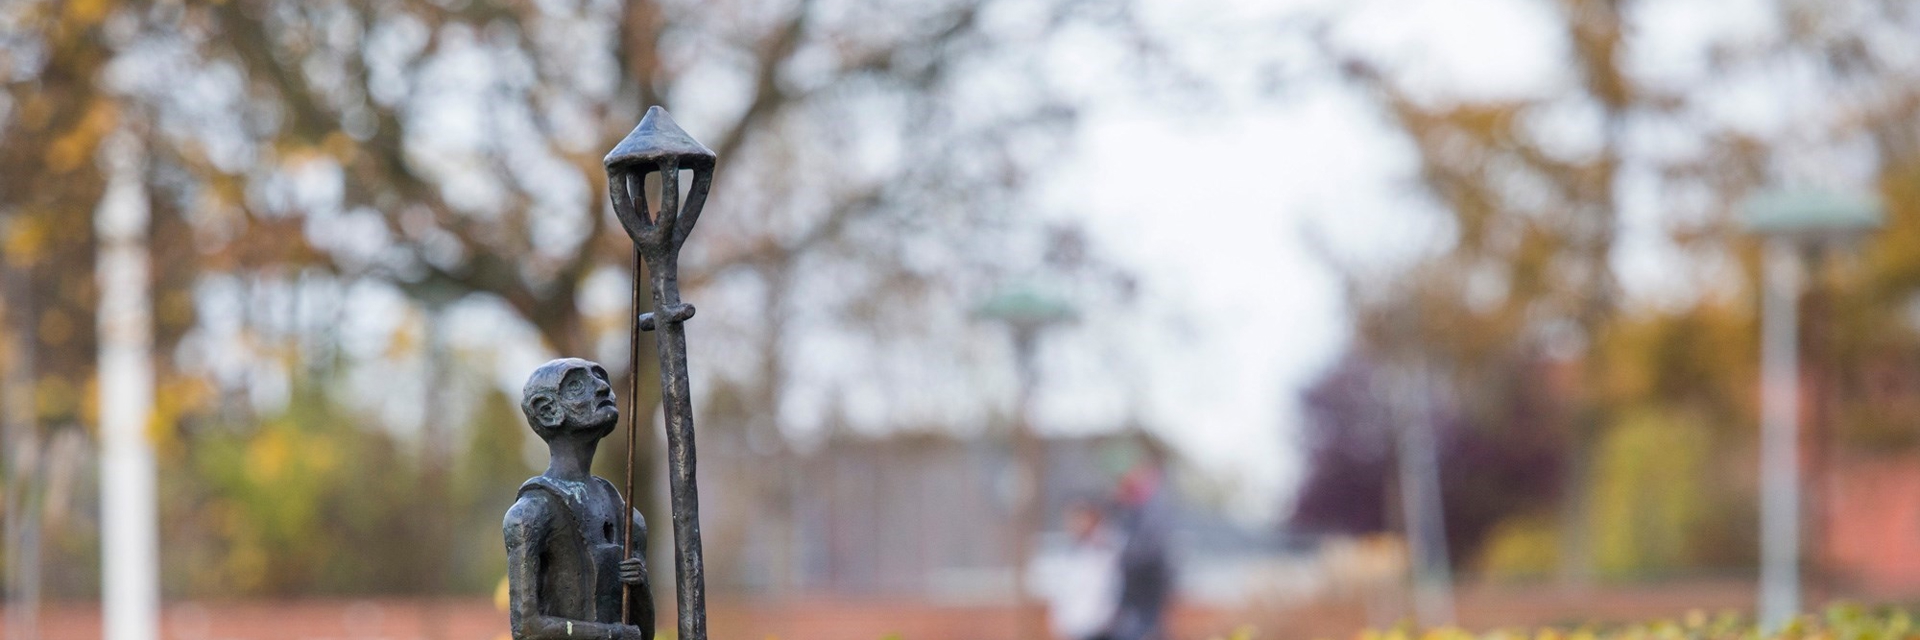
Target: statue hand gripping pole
[{"x": 659, "y": 145}]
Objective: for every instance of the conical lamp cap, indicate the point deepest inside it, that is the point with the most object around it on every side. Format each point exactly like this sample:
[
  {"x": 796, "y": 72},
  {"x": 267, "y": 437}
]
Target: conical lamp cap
[{"x": 658, "y": 138}]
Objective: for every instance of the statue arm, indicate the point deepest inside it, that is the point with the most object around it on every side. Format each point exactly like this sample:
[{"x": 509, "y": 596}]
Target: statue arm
[{"x": 526, "y": 531}]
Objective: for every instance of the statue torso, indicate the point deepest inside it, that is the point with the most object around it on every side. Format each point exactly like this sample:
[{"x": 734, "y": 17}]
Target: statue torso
[{"x": 582, "y": 550}]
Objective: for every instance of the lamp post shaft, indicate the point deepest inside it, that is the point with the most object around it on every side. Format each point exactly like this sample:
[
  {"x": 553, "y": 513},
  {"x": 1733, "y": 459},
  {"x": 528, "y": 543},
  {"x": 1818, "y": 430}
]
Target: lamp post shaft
[
  {"x": 1779, "y": 435},
  {"x": 676, "y": 399},
  {"x": 1030, "y": 454},
  {"x": 129, "y": 520},
  {"x": 1027, "y": 313},
  {"x": 1418, "y": 465}
]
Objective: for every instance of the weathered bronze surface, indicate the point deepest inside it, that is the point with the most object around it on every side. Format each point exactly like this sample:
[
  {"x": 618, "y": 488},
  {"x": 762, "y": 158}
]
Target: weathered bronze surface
[
  {"x": 569, "y": 574},
  {"x": 567, "y": 569},
  {"x": 659, "y": 145}
]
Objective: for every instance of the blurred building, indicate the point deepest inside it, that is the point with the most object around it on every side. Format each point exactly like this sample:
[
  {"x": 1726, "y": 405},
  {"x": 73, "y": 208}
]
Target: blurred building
[{"x": 1871, "y": 522}]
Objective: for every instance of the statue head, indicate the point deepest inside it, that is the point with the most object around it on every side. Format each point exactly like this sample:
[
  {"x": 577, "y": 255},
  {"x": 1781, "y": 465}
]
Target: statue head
[{"x": 569, "y": 397}]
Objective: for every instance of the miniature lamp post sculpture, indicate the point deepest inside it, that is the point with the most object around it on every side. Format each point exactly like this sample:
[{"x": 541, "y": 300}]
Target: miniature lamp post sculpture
[
  {"x": 1797, "y": 226},
  {"x": 659, "y": 145},
  {"x": 1026, "y": 312}
]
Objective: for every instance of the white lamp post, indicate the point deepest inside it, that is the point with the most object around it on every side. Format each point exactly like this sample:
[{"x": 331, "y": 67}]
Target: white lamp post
[
  {"x": 129, "y": 517},
  {"x": 1796, "y": 224},
  {"x": 1026, "y": 311}
]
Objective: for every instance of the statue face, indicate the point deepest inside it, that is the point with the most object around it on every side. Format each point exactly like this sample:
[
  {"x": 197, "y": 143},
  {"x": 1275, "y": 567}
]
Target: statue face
[
  {"x": 571, "y": 396},
  {"x": 587, "y": 397}
]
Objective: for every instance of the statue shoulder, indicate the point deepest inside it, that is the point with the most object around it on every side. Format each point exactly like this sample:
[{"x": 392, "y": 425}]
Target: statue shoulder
[
  {"x": 622, "y": 498},
  {"x": 533, "y": 509},
  {"x": 608, "y": 484}
]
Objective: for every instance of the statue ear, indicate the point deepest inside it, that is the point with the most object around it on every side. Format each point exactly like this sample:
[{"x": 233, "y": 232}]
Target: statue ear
[{"x": 545, "y": 410}]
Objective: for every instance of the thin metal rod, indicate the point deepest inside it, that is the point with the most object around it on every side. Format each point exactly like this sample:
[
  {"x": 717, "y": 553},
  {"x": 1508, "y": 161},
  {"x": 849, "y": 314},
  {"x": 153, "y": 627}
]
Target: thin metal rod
[{"x": 633, "y": 430}]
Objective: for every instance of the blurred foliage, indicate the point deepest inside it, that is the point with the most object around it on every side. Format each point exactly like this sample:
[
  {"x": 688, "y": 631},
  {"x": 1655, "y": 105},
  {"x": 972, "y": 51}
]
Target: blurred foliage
[
  {"x": 1351, "y": 436},
  {"x": 309, "y": 501},
  {"x": 1843, "y": 621},
  {"x": 1526, "y": 272},
  {"x": 1651, "y": 483},
  {"x": 1520, "y": 548},
  {"x": 280, "y": 497},
  {"x": 1516, "y": 305}
]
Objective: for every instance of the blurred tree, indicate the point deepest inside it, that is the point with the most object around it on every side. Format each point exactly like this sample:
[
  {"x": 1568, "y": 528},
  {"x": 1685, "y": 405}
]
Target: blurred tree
[
  {"x": 458, "y": 146},
  {"x": 1534, "y": 224},
  {"x": 52, "y": 116},
  {"x": 1533, "y": 189},
  {"x": 304, "y": 157}
]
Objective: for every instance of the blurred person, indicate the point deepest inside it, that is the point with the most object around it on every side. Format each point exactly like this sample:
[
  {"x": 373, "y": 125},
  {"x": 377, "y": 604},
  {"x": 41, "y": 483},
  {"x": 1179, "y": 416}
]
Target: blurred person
[
  {"x": 565, "y": 557},
  {"x": 1083, "y": 583},
  {"x": 1146, "y": 572}
]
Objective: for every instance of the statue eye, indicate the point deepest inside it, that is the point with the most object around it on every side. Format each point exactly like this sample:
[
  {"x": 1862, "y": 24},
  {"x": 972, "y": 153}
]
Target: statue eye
[{"x": 575, "y": 386}]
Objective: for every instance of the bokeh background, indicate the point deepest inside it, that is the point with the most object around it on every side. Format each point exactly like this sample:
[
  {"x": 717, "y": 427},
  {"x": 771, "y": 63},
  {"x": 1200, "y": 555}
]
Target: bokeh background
[{"x": 1340, "y": 263}]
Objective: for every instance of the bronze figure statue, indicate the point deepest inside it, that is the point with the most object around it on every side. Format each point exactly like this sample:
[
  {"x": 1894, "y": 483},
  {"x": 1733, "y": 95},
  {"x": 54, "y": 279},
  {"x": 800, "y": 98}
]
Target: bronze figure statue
[
  {"x": 566, "y": 561},
  {"x": 576, "y": 551}
]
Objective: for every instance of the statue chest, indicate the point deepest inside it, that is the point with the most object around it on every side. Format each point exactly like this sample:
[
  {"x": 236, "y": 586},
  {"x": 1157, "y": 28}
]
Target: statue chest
[{"x": 590, "y": 531}]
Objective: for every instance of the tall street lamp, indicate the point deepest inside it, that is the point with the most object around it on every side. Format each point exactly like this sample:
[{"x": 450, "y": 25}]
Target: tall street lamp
[
  {"x": 1798, "y": 226},
  {"x": 1026, "y": 310},
  {"x": 129, "y": 511}
]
